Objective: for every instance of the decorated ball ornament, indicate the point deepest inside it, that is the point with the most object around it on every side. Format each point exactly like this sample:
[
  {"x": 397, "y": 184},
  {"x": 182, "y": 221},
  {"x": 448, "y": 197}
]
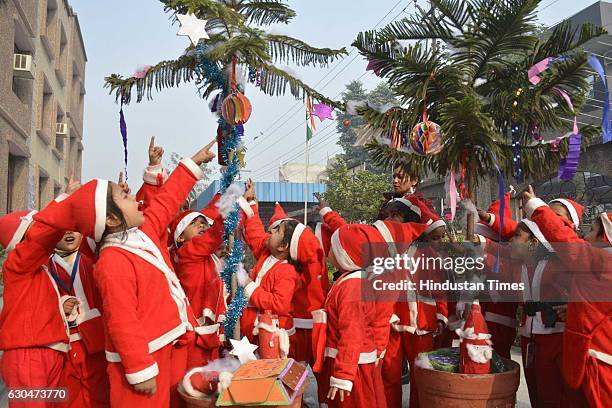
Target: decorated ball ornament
[
  {"x": 236, "y": 109},
  {"x": 346, "y": 122},
  {"x": 426, "y": 138}
]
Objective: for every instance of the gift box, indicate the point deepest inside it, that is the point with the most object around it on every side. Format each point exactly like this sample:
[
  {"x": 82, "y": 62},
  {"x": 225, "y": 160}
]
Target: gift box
[{"x": 266, "y": 383}]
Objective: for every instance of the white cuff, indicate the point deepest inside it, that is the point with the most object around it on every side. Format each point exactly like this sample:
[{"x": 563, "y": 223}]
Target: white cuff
[
  {"x": 532, "y": 205},
  {"x": 394, "y": 319},
  {"x": 442, "y": 318},
  {"x": 491, "y": 220},
  {"x": 345, "y": 385},
  {"x": 324, "y": 211},
  {"x": 246, "y": 208},
  {"x": 250, "y": 288},
  {"x": 151, "y": 172},
  {"x": 142, "y": 375},
  {"x": 193, "y": 168},
  {"x": 209, "y": 313}
]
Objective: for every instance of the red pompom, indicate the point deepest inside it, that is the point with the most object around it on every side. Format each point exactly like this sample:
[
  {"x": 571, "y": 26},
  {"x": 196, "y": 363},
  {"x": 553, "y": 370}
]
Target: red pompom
[{"x": 205, "y": 382}]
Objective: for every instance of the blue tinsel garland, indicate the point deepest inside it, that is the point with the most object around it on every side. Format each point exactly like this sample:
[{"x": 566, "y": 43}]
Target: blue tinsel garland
[{"x": 207, "y": 73}]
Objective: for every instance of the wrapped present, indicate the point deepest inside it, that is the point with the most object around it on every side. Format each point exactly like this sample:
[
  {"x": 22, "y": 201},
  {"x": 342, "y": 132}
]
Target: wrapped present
[{"x": 269, "y": 383}]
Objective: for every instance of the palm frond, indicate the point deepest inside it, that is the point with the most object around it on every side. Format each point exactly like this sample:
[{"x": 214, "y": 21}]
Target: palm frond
[
  {"x": 249, "y": 43},
  {"x": 274, "y": 82},
  {"x": 211, "y": 10},
  {"x": 285, "y": 49},
  {"x": 458, "y": 12},
  {"x": 565, "y": 38},
  {"x": 266, "y": 12}
]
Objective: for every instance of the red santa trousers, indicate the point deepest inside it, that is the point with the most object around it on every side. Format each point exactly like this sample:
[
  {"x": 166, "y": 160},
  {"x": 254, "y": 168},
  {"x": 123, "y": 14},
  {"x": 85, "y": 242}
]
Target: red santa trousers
[
  {"x": 368, "y": 389},
  {"x": 300, "y": 346},
  {"x": 34, "y": 367},
  {"x": 597, "y": 386},
  {"x": 403, "y": 346},
  {"x": 178, "y": 361},
  {"x": 123, "y": 394},
  {"x": 545, "y": 383},
  {"x": 85, "y": 377}
]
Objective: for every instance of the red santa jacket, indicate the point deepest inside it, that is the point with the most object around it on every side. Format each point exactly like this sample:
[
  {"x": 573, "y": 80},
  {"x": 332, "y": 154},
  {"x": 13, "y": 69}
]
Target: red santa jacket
[
  {"x": 332, "y": 218},
  {"x": 350, "y": 332},
  {"x": 274, "y": 280},
  {"x": 32, "y": 315},
  {"x": 589, "y": 324},
  {"x": 145, "y": 307},
  {"x": 86, "y": 325}
]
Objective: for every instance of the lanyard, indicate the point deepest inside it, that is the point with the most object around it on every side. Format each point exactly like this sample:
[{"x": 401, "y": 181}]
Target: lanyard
[{"x": 75, "y": 268}]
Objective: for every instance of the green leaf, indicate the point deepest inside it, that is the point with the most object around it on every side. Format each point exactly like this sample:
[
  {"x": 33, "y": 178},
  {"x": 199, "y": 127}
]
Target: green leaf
[
  {"x": 287, "y": 49},
  {"x": 266, "y": 12}
]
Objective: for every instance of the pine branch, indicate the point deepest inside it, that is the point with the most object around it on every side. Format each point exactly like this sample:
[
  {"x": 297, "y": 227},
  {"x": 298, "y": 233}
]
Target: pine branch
[
  {"x": 285, "y": 49},
  {"x": 564, "y": 38},
  {"x": 266, "y": 12},
  {"x": 249, "y": 43},
  {"x": 274, "y": 82}
]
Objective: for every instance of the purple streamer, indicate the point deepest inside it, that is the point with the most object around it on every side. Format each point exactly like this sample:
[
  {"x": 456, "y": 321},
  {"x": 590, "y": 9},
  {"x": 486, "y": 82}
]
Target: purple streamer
[
  {"x": 569, "y": 164},
  {"x": 123, "y": 129}
]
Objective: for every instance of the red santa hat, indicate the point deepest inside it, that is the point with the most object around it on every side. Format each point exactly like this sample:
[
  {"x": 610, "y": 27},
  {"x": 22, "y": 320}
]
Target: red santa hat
[
  {"x": 606, "y": 222},
  {"x": 408, "y": 203},
  {"x": 574, "y": 209},
  {"x": 278, "y": 216},
  {"x": 400, "y": 233},
  {"x": 491, "y": 230},
  {"x": 535, "y": 230},
  {"x": 324, "y": 234},
  {"x": 347, "y": 244},
  {"x": 199, "y": 383},
  {"x": 428, "y": 217},
  {"x": 84, "y": 211},
  {"x": 475, "y": 348},
  {"x": 13, "y": 227},
  {"x": 180, "y": 223}
]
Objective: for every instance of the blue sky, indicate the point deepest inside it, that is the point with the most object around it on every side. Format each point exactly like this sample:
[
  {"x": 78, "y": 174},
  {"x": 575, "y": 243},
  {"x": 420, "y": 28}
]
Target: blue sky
[{"x": 121, "y": 36}]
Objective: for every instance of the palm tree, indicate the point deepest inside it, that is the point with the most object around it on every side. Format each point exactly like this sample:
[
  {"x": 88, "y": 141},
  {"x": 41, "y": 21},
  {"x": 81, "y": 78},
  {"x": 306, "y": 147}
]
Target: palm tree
[
  {"x": 466, "y": 63},
  {"x": 235, "y": 31}
]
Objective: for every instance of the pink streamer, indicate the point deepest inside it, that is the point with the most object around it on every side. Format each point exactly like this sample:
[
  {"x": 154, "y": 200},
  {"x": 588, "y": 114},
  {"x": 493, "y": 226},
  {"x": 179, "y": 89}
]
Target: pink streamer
[
  {"x": 567, "y": 98},
  {"x": 452, "y": 192},
  {"x": 537, "y": 69}
]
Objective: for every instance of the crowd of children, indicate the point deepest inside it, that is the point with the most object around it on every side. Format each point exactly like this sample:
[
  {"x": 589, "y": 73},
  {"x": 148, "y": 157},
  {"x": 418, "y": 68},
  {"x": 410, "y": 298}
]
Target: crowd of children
[{"x": 115, "y": 296}]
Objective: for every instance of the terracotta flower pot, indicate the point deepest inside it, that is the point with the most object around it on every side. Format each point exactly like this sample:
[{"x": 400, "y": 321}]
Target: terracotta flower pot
[
  {"x": 192, "y": 402},
  {"x": 454, "y": 390}
]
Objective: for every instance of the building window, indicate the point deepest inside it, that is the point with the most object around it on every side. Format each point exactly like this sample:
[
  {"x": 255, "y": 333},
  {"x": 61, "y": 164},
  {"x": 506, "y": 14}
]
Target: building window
[
  {"x": 43, "y": 182},
  {"x": 22, "y": 82},
  {"x": 60, "y": 132},
  {"x": 10, "y": 182}
]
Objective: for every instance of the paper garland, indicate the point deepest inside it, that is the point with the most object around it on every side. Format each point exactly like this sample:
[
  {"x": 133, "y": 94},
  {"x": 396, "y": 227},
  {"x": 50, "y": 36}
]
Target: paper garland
[{"x": 123, "y": 130}]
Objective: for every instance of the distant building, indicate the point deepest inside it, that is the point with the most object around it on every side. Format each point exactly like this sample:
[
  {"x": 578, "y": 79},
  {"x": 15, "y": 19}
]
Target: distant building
[
  {"x": 289, "y": 195},
  {"x": 42, "y": 76},
  {"x": 296, "y": 173}
]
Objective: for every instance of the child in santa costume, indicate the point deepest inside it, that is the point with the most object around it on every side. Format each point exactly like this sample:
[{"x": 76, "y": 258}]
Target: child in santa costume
[
  {"x": 311, "y": 289},
  {"x": 568, "y": 210},
  {"x": 196, "y": 238},
  {"x": 34, "y": 333},
  {"x": 543, "y": 277},
  {"x": 145, "y": 308},
  {"x": 587, "y": 345},
  {"x": 499, "y": 315},
  {"x": 273, "y": 279},
  {"x": 84, "y": 373}
]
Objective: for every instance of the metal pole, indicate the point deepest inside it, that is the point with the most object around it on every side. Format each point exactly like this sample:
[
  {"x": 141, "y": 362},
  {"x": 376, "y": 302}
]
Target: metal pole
[{"x": 306, "y": 185}]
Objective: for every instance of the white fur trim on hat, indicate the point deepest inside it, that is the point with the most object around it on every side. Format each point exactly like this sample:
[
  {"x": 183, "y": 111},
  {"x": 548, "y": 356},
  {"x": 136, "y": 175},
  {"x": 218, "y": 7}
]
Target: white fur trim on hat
[
  {"x": 188, "y": 387},
  {"x": 408, "y": 204},
  {"x": 434, "y": 225},
  {"x": 100, "y": 208},
  {"x": 607, "y": 225},
  {"x": 485, "y": 231},
  {"x": 387, "y": 236},
  {"x": 343, "y": 258},
  {"x": 295, "y": 241},
  {"x": 277, "y": 223},
  {"x": 570, "y": 209},
  {"x": 184, "y": 223},
  {"x": 535, "y": 230},
  {"x": 25, "y": 223}
]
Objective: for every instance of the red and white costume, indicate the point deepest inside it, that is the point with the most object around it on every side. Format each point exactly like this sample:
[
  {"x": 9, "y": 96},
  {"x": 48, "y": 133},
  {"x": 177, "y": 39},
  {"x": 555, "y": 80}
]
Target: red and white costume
[
  {"x": 33, "y": 328},
  {"x": 574, "y": 210},
  {"x": 587, "y": 339},
  {"x": 84, "y": 373},
  {"x": 273, "y": 286},
  {"x": 145, "y": 308},
  {"x": 475, "y": 350}
]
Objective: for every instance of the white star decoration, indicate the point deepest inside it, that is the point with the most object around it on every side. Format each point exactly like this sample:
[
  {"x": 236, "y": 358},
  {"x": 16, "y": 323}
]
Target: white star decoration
[
  {"x": 243, "y": 350},
  {"x": 192, "y": 27}
]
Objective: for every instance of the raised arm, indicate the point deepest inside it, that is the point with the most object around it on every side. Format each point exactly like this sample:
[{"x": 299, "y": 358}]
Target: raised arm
[
  {"x": 279, "y": 299},
  {"x": 202, "y": 246}
]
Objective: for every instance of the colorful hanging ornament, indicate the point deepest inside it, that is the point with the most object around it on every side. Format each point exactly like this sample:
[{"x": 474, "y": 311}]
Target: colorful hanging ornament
[
  {"x": 236, "y": 109},
  {"x": 374, "y": 65},
  {"x": 569, "y": 164},
  {"x": 192, "y": 27},
  {"x": 141, "y": 72},
  {"x": 323, "y": 111},
  {"x": 346, "y": 122},
  {"x": 425, "y": 138}
]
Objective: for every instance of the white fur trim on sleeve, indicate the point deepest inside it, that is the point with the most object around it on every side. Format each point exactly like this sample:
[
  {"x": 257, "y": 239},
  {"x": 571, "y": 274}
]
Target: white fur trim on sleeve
[
  {"x": 193, "y": 168},
  {"x": 100, "y": 208},
  {"x": 250, "y": 288},
  {"x": 479, "y": 354},
  {"x": 345, "y": 385},
  {"x": 295, "y": 241},
  {"x": 150, "y": 174},
  {"x": 142, "y": 375},
  {"x": 442, "y": 318},
  {"x": 246, "y": 208},
  {"x": 491, "y": 220},
  {"x": 324, "y": 210},
  {"x": 532, "y": 205},
  {"x": 25, "y": 223}
]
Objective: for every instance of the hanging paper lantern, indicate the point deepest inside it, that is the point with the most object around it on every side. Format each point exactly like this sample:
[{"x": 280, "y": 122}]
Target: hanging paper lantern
[
  {"x": 346, "y": 122},
  {"x": 236, "y": 109},
  {"x": 425, "y": 138}
]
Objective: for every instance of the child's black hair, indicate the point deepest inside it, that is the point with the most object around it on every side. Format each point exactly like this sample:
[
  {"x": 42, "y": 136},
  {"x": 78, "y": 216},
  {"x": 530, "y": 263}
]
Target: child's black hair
[
  {"x": 541, "y": 252},
  {"x": 114, "y": 210},
  {"x": 290, "y": 226},
  {"x": 402, "y": 209}
]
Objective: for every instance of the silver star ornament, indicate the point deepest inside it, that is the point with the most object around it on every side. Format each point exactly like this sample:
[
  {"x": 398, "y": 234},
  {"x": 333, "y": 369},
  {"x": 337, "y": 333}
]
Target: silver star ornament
[{"x": 192, "y": 27}]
